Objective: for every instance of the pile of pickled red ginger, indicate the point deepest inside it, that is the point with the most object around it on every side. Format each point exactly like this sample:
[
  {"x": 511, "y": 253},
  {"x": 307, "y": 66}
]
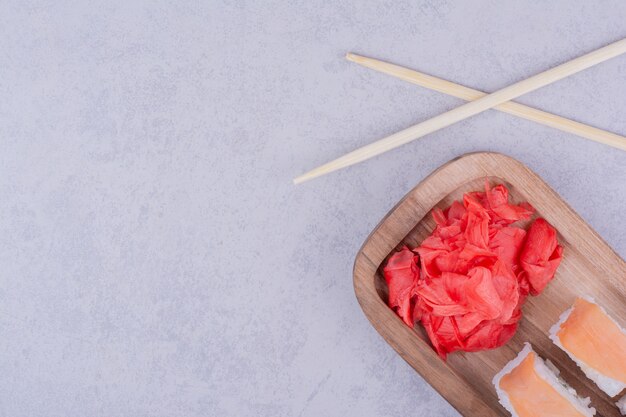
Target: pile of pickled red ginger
[{"x": 468, "y": 280}]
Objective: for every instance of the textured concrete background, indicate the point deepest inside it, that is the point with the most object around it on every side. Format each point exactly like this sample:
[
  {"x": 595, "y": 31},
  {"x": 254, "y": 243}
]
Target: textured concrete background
[{"x": 156, "y": 259}]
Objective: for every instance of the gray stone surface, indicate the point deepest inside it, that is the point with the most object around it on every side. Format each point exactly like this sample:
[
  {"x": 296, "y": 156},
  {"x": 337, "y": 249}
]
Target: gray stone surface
[{"x": 156, "y": 259}]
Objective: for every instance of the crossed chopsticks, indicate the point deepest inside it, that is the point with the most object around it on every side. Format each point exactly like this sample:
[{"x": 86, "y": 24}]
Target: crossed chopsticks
[{"x": 478, "y": 102}]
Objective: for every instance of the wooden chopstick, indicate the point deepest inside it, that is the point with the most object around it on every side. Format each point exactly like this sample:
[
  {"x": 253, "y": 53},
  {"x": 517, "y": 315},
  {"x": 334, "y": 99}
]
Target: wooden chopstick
[
  {"x": 469, "y": 94},
  {"x": 468, "y": 109}
]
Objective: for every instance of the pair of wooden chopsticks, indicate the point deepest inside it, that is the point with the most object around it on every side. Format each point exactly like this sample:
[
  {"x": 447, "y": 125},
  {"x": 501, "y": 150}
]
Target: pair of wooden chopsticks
[{"x": 479, "y": 102}]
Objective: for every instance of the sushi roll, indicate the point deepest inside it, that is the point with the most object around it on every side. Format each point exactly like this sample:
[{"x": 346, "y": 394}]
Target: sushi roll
[
  {"x": 527, "y": 386},
  {"x": 595, "y": 342}
]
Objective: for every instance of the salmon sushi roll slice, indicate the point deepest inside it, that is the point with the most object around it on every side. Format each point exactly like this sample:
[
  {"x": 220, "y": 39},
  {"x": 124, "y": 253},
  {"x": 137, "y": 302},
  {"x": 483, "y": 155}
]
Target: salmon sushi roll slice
[
  {"x": 595, "y": 342},
  {"x": 528, "y": 387}
]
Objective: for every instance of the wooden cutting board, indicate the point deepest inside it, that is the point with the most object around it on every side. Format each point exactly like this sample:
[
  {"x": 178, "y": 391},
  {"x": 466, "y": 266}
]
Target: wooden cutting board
[{"x": 589, "y": 267}]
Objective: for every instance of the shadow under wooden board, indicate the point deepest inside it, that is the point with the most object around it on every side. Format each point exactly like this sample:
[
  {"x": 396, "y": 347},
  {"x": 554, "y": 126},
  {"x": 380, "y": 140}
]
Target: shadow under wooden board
[{"x": 589, "y": 267}]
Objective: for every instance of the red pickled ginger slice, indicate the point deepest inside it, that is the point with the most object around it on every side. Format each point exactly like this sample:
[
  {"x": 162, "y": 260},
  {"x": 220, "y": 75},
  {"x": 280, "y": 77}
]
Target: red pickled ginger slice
[
  {"x": 402, "y": 274},
  {"x": 500, "y": 210},
  {"x": 477, "y": 229},
  {"x": 541, "y": 255},
  {"x": 447, "y": 333},
  {"x": 481, "y": 295},
  {"x": 506, "y": 243},
  {"x": 441, "y": 333},
  {"x": 432, "y": 248},
  {"x": 442, "y": 296}
]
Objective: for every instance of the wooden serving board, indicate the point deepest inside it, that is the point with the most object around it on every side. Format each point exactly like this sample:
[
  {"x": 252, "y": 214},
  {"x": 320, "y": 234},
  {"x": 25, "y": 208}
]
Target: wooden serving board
[{"x": 589, "y": 267}]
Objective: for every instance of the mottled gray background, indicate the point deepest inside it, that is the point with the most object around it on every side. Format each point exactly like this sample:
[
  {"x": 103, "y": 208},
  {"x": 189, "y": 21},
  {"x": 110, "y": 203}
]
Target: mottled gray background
[{"x": 155, "y": 259}]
